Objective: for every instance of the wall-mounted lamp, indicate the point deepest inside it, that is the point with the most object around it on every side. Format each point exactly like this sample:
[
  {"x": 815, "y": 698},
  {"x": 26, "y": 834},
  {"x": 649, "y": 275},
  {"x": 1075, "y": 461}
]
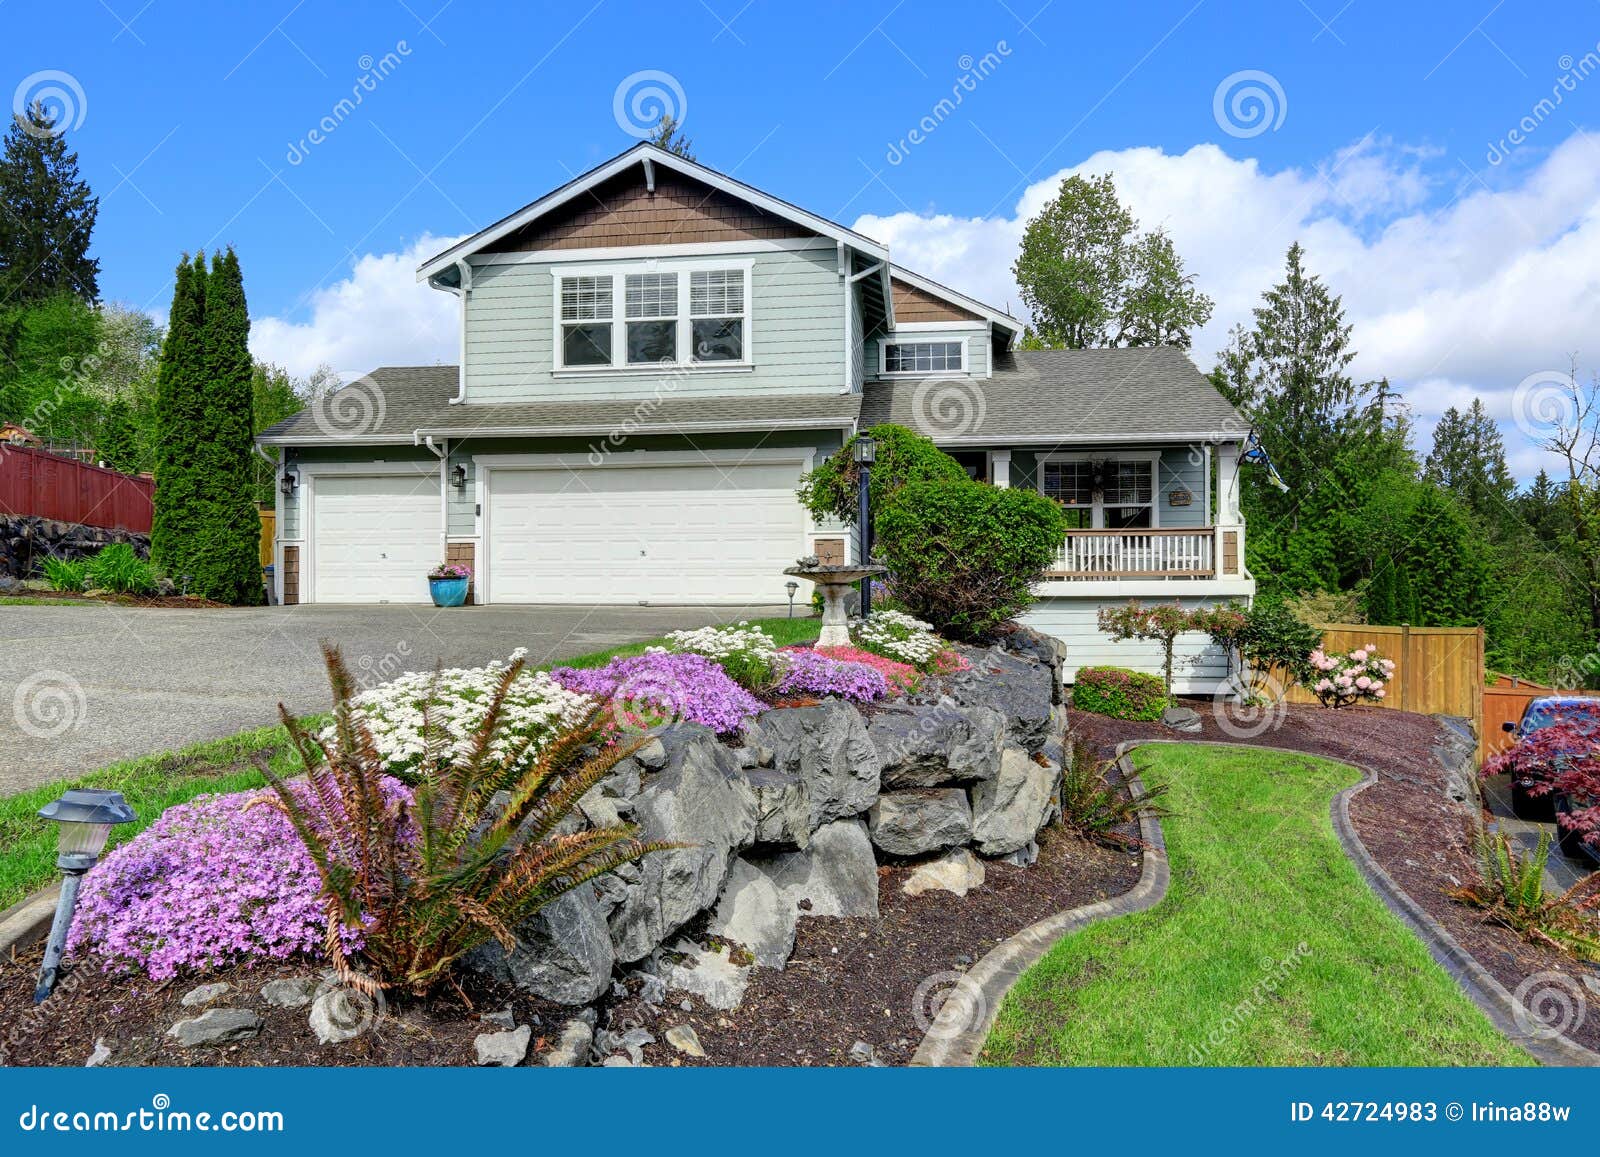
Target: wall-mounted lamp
[
  {"x": 289, "y": 483},
  {"x": 84, "y": 819},
  {"x": 458, "y": 477}
]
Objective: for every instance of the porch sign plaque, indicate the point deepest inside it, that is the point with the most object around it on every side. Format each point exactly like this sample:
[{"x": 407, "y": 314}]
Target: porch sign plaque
[{"x": 1179, "y": 497}]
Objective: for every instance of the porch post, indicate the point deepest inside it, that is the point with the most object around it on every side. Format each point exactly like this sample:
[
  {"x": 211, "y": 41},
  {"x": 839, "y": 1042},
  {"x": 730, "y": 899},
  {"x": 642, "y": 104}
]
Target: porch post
[
  {"x": 1000, "y": 468},
  {"x": 1228, "y": 484}
]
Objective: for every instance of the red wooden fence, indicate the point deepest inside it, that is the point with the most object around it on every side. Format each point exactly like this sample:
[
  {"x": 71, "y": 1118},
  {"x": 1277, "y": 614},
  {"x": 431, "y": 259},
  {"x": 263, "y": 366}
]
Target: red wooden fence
[{"x": 47, "y": 486}]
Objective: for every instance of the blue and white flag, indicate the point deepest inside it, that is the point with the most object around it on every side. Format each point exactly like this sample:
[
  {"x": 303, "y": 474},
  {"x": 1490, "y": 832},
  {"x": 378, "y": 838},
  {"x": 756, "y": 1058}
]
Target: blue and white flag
[{"x": 1256, "y": 454}]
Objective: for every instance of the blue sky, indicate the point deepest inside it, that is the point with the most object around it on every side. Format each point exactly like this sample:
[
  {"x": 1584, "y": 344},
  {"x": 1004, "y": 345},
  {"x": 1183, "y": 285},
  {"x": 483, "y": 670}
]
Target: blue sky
[{"x": 1382, "y": 118}]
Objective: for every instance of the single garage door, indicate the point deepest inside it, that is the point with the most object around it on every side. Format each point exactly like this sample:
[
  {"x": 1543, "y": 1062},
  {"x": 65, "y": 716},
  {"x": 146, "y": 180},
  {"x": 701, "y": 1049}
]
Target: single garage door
[
  {"x": 375, "y": 537},
  {"x": 696, "y": 533}
]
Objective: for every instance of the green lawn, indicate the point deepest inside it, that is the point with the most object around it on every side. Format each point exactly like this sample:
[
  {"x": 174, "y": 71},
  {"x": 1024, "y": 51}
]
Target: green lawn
[
  {"x": 154, "y": 783},
  {"x": 1268, "y": 949}
]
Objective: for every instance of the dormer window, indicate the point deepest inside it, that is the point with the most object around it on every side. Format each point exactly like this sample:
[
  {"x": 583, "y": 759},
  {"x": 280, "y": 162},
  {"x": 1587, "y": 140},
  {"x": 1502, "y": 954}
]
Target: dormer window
[
  {"x": 676, "y": 314},
  {"x": 924, "y": 357}
]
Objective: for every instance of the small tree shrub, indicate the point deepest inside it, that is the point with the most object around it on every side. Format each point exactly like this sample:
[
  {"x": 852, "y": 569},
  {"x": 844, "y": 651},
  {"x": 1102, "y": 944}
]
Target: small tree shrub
[
  {"x": 66, "y": 574},
  {"x": 1162, "y": 623},
  {"x": 1119, "y": 693},
  {"x": 965, "y": 556},
  {"x": 1357, "y": 677},
  {"x": 118, "y": 570},
  {"x": 1226, "y": 626},
  {"x": 903, "y": 457},
  {"x": 1539, "y": 759}
]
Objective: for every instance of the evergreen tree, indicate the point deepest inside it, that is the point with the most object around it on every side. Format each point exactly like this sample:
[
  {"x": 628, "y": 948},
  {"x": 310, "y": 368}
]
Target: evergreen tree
[
  {"x": 670, "y": 137},
  {"x": 46, "y": 215},
  {"x": 118, "y": 445},
  {"x": 227, "y": 566},
  {"x": 1469, "y": 460},
  {"x": 1448, "y": 563},
  {"x": 179, "y": 405}
]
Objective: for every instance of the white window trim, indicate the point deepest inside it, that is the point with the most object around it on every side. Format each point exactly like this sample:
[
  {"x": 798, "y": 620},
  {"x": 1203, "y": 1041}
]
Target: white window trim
[
  {"x": 618, "y": 272},
  {"x": 1098, "y": 508},
  {"x": 923, "y": 339}
]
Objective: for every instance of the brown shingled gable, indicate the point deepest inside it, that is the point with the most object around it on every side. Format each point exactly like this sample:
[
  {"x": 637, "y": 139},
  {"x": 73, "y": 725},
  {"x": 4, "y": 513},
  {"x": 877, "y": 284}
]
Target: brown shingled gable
[{"x": 913, "y": 304}]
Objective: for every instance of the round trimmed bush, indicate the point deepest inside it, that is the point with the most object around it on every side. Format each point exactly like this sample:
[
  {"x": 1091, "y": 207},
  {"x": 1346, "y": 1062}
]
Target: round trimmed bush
[
  {"x": 903, "y": 457},
  {"x": 965, "y": 555},
  {"x": 1119, "y": 693}
]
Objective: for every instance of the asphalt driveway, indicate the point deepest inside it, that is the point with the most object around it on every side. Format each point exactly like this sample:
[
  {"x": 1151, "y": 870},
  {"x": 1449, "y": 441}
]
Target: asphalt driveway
[{"x": 84, "y": 686}]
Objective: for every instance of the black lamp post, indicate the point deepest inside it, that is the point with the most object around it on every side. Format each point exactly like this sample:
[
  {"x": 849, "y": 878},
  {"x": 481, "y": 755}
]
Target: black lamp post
[
  {"x": 85, "y": 818},
  {"x": 864, "y": 452},
  {"x": 791, "y": 586}
]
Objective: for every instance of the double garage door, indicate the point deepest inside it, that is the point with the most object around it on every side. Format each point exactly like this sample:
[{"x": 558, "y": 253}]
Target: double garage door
[{"x": 695, "y": 532}]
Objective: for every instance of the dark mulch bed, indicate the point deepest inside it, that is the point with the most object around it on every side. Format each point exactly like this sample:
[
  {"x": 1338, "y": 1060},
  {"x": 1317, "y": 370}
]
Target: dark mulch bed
[
  {"x": 191, "y": 601},
  {"x": 881, "y": 981},
  {"x": 849, "y": 980},
  {"x": 1420, "y": 837}
]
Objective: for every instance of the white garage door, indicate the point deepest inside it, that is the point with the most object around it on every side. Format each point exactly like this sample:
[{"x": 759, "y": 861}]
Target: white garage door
[
  {"x": 375, "y": 537},
  {"x": 661, "y": 534}
]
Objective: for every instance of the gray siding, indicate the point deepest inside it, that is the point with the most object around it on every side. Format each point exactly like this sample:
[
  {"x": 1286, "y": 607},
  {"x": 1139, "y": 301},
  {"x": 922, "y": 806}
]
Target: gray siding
[
  {"x": 796, "y": 322},
  {"x": 1198, "y": 667}
]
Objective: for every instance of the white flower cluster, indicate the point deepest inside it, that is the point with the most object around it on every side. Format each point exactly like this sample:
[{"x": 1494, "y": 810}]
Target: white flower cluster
[
  {"x": 741, "y": 643},
  {"x": 899, "y": 636},
  {"x": 536, "y": 705}
]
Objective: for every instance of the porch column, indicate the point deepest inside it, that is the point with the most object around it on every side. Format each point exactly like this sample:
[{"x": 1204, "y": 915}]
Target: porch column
[
  {"x": 1000, "y": 468},
  {"x": 1228, "y": 484}
]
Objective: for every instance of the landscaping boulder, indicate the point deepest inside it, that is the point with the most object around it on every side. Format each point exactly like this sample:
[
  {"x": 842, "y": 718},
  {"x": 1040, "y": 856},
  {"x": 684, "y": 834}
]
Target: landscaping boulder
[
  {"x": 683, "y": 1038},
  {"x": 1019, "y": 688},
  {"x": 506, "y": 1049},
  {"x": 206, "y": 993},
  {"x": 289, "y": 993},
  {"x": 754, "y": 912},
  {"x": 938, "y": 744},
  {"x": 827, "y": 747},
  {"x": 216, "y": 1026},
  {"x": 341, "y": 1014},
  {"x": 563, "y": 953},
  {"x": 958, "y": 871},
  {"x": 783, "y": 813},
  {"x": 1009, "y": 810},
  {"x": 837, "y": 874},
  {"x": 571, "y": 1049},
  {"x": 920, "y": 820},
  {"x": 1181, "y": 718},
  {"x": 1047, "y": 650},
  {"x": 699, "y": 798},
  {"x": 707, "y": 973}
]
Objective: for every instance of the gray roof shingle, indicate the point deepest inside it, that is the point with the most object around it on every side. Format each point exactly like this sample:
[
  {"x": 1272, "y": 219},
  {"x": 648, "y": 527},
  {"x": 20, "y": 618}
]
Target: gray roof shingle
[{"x": 1061, "y": 397}]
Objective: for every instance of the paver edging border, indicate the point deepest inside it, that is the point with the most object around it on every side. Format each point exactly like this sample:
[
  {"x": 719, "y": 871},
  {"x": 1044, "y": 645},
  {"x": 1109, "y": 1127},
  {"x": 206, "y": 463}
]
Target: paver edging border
[
  {"x": 28, "y": 920},
  {"x": 962, "y": 1025}
]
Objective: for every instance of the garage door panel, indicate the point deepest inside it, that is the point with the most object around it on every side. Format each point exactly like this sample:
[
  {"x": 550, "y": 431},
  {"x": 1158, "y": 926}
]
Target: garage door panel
[
  {"x": 684, "y": 534},
  {"x": 375, "y": 537}
]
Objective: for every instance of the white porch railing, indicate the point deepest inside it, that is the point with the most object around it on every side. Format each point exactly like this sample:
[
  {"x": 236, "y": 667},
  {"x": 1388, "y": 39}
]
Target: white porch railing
[{"x": 1099, "y": 554}]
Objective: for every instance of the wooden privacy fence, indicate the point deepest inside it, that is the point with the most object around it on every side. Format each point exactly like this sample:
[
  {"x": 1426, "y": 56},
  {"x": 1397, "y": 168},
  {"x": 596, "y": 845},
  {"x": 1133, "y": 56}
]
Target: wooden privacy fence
[
  {"x": 1439, "y": 670},
  {"x": 1504, "y": 701},
  {"x": 269, "y": 525},
  {"x": 46, "y": 486}
]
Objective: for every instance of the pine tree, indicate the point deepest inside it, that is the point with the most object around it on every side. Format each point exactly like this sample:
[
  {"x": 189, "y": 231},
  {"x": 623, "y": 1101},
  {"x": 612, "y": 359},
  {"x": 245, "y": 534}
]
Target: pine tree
[
  {"x": 670, "y": 137},
  {"x": 179, "y": 405},
  {"x": 1469, "y": 460},
  {"x": 1448, "y": 563},
  {"x": 227, "y": 565},
  {"x": 118, "y": 442},
  {"x": 47, "y": 215}
]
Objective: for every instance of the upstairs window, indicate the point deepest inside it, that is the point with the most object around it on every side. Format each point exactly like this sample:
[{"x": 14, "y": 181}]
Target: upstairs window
[
  {"x": 694, "y": 314},
  {"x": 924, "y": 357}
]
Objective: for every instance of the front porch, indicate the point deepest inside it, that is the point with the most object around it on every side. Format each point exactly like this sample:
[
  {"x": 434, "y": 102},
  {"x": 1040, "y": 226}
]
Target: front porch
[{"x": 1208, "y": 552}]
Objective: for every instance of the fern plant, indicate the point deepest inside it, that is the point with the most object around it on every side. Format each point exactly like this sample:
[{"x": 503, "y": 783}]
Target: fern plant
[
  {"x": 66, "y": 574},
  {"x": 1511, "y": 890},
  {"x": 475, "y": 853},
  {"x": 1096, "y": 808}
]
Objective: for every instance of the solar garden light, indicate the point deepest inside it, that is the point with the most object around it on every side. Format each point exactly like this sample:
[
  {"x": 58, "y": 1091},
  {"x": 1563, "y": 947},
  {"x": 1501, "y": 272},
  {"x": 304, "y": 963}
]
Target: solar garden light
[
  {"x": 864, "y": 452},
  {"x": 85, "y": 818},
  {"x": 791, "y": 586}
]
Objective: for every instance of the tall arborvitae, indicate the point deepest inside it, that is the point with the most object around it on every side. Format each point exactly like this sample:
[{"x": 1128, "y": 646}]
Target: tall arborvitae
[
  {"x": 227, "y": 564},
  {"x": 46, "y": 215},
  {"x": 179, "y": 407}
]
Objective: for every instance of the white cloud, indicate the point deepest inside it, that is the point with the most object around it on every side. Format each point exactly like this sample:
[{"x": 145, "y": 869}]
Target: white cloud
[{"x": 380, "y": 315}]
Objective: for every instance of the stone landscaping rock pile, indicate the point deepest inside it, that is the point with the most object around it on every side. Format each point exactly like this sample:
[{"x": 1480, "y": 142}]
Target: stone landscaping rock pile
[
  {"x": 26, "y": 541},
  {"x": 790, "y": 821}
]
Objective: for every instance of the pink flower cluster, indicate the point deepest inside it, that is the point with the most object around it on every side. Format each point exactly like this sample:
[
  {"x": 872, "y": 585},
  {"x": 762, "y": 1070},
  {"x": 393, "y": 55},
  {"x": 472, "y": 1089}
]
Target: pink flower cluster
[
  {"x": 215, "y": 881},
  {"x": 1359, "y": 676},
  {"x": 901, "y": 677}
]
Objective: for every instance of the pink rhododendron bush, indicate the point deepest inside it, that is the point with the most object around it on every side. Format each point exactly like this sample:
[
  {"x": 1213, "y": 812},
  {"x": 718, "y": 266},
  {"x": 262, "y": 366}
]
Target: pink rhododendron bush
[
  {"x": 219, "y": 880},
  {"x": 1358, "y": 677}
]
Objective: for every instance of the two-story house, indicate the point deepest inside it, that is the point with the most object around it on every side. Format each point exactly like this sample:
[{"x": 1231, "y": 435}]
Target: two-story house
[{"x": 650, "y": 358}]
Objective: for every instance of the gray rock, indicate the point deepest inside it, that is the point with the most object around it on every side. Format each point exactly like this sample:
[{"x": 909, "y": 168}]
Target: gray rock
[
  {"x": 339, "y": 1015},
  {"x": 783, "y": 813},
  {"x": 572, "y": 1046},
  {"x": 600, "y": 809},
  {"x": 289, "y": 993},
  {"x": 652, "y": 756},
  {"x": 755, "y": 913},
  {"x": 827, "y": 747},
  {"x": 617, "y": 1063},
  {"x": 1181, "y": 718},
  {"x": 1009, "y": 810},
  {"x": 863, "y": 1053},
  {"x": 837, "y": 874},
  {"x": 698, "y": 798},
  {"x": 683, "y": 1038},
  {"x": 957, "y": 871},
  {"x": 216, "y": 1026},
  {"x": 1045, "y": 649},
  {"x": 1019, "y": 688},
  {"x": 709, "y": 974},
  {"x": 1023, "y": 857},
  {"x": 100, "y": 1056},
  {"x": 563, "y": 953},
  {"x": 207, "y": 993},
  {"x": 920, "y": 820},
  {"x": 506, "y": 1049},
  {"x": 505, "y": 1018},
  {"x": 933, "y": 745}
]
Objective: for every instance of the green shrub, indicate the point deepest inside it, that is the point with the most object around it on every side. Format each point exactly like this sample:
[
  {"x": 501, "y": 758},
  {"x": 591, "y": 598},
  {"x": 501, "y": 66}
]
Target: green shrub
[
  {"x": 118, "y": 570},
  {"x": 965, "y": 555},
  {"x": 903, "y": 457},
  {"x": 1094, "y": 806},
  {"x": 1119, "y": 693},
  {"x": 66, "y": 574},
  {"x": 1275, "y": 637}
]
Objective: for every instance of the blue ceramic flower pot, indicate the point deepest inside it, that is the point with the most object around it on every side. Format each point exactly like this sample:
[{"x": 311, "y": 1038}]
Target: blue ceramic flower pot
[{"x": 448, "y": 592}]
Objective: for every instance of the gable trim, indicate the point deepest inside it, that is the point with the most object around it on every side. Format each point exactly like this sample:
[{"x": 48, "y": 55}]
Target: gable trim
[
  {"x": 631, "y": 252},
  {"x": 986, "y": 312}
]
